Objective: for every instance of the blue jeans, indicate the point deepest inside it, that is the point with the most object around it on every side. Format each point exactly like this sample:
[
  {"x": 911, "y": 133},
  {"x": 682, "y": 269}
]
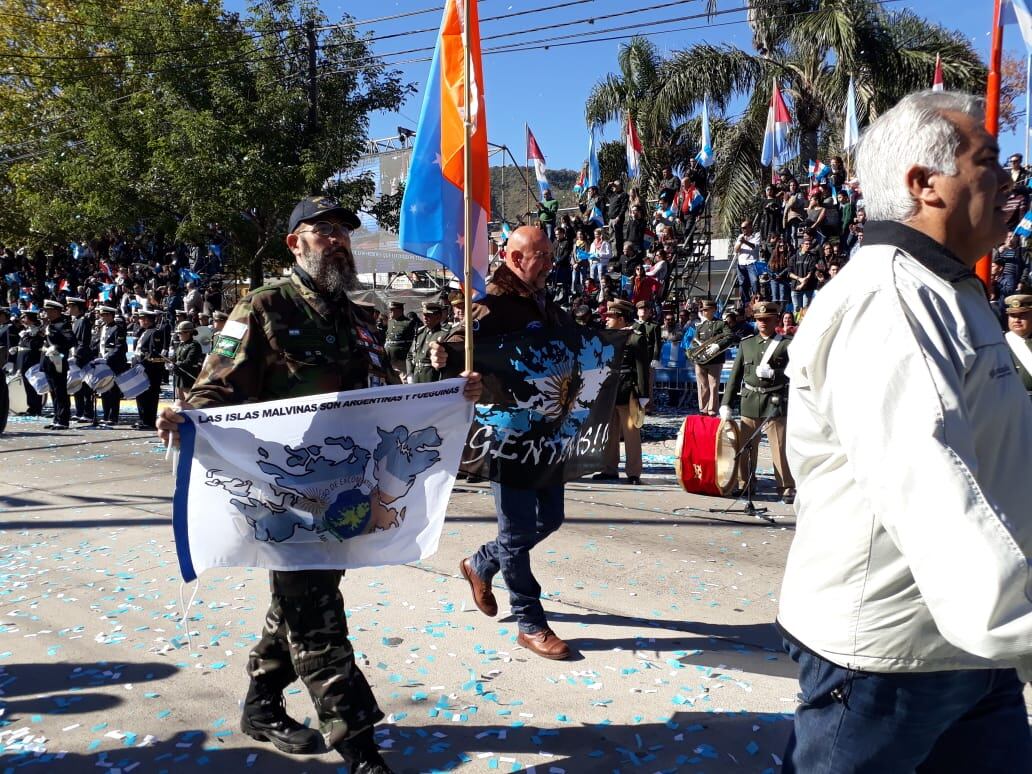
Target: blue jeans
[
  {"x": 780, "y": 293},
  {"x": 959, "y": 722},
  {"x": 748, "y": 283},
  {"x": 801, "y": 299},
  {"x": 525, "y": 518}
]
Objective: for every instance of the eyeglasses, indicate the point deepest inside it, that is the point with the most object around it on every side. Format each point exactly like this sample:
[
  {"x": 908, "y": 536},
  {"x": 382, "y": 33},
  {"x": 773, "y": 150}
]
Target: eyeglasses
[{"x": 326, "y": 229}]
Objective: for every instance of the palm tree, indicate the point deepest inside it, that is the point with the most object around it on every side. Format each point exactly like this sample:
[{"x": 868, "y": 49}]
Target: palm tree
[
  {"x": 811, "y": 48},
  {"x": 633, "y": 92}
]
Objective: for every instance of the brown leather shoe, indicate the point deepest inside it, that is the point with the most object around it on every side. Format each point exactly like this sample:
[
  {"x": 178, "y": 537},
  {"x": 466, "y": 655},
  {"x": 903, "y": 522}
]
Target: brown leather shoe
[
  {"x": 545, "y": 643},
  {"x": 483, "y": 596}
]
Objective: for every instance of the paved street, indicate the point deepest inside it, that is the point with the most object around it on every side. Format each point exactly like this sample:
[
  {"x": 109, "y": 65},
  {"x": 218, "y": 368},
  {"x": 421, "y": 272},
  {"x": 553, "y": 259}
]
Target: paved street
[{"x": 678, "y": 667}]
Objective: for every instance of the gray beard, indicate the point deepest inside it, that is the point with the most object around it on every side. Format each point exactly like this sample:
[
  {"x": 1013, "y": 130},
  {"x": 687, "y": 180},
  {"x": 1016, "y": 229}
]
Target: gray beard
[{"x": 332, "y": 275}]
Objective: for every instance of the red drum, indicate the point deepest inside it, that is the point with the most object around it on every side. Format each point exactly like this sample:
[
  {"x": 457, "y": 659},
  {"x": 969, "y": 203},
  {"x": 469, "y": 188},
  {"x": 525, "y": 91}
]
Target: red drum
[{"x": 705, "y": 456}]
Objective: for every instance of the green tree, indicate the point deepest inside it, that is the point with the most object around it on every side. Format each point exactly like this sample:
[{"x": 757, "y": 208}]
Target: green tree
[
  {"x": 632, "y": 92},
  {"x": 177, "y": 115},
  {"x": 810, "y": 48},
  {"x": 612, "y": 162}
]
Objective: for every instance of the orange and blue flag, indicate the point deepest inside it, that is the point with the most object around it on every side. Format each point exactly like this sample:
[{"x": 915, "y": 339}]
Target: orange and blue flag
[{"x": 432, "y": 212}]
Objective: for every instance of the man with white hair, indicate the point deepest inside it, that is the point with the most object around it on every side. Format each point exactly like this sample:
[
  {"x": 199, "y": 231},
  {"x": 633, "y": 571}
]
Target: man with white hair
[{"x": 907, "y": 598}]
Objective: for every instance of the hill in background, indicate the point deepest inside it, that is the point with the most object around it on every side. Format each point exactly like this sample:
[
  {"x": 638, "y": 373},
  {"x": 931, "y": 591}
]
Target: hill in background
[{"x": 514, "y": 191}]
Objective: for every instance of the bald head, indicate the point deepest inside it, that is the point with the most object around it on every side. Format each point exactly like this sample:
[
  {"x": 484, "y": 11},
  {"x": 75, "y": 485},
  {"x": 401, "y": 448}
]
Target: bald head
[{"x": 529, "y": 255}]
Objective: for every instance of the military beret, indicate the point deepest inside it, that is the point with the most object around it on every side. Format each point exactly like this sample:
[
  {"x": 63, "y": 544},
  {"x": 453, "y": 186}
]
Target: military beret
[
  {"x": 1018, "y": 304},
  {"x": 51, "y": 304},
  {"x": 765, "y": 309},
  {"x": 620, "y": 308}
]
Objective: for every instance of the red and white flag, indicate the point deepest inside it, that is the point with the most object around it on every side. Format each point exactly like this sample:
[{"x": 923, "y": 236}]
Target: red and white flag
[
  {"x": 633, "y": 149},
  {"x": 937, "y": 84}
]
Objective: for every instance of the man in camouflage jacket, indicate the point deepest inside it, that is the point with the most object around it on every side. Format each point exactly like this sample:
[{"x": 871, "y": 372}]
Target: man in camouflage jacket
[{"x": 299, "y": 336}]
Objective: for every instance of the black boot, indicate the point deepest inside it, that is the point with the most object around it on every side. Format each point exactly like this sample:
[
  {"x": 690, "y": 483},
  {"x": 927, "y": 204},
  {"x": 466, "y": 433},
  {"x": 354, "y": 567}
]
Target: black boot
[
  {"x": 266, "y": 719},
  {"x": 363, "y": 755}
]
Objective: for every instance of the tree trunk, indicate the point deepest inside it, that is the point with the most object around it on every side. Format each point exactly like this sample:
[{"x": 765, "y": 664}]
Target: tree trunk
[
  {"x": 257, "y": 271},
  {"x": 807, "y": 148}
]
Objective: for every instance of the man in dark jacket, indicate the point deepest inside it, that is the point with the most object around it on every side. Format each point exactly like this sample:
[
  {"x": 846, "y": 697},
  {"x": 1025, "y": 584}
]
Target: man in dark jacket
[
  {"x": 59, "y": 344},
  {"x": 109, "y": 344},
  {"x": 632, "y": 384},
  {"x": 516, "y": 300},
  {"x": 30, "y": 346},
  {"x": 148, "y": 353},
  {"x": 82, "y": 330},
  {"x": 616, "y": 214}
]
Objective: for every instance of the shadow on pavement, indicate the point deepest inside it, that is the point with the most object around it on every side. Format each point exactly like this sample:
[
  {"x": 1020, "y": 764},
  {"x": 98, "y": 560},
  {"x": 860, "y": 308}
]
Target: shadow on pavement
[
  {"x": 32, "y": 679},
  {"x": 700, "y": 740}
]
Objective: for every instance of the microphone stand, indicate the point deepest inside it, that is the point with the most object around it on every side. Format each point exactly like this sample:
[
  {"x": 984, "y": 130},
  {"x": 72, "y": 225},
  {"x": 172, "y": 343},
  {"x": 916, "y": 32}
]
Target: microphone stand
[{"x": 750, "y": 509}]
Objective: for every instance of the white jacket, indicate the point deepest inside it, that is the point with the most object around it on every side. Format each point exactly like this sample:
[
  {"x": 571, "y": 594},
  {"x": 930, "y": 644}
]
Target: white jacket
[{"x": 909, "y": 435}]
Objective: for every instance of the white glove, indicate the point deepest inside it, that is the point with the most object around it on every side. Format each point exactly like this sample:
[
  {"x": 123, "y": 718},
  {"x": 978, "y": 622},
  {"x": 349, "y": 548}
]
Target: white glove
[
  {"x": 724, "y": 412},
  {"x": 643, "y": 402},
  {"x": 764, "y": 372},
  {"x": 655, "y": 364}
]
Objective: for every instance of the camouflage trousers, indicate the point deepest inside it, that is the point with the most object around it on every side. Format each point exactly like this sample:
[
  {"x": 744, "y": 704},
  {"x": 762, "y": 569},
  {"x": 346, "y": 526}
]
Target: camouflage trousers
[{"x": 306, "y": 636}]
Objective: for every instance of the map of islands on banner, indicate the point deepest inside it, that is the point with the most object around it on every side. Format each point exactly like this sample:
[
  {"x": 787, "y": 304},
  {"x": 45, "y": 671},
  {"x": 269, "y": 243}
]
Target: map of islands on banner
[
  {"x": 552, "y": 394},
  {"x": 335, "y": 481}
]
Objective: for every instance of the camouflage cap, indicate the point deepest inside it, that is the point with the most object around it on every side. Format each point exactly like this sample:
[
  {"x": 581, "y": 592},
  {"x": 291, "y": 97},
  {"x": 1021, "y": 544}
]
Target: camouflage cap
[{"x": 312, "y": 207}]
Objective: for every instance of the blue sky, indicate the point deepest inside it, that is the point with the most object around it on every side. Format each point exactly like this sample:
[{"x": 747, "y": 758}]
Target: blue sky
[{"x": 548, "y": 88}]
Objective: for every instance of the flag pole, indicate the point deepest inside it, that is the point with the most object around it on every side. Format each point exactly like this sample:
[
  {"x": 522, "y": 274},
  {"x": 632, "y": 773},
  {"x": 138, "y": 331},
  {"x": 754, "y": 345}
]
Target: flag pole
[
  {"x": 992, "y": 111},
  {"x": 1028, "y": 100},
  {"x": 526, "y": 145},
  {"x": 467, "y": 186}
]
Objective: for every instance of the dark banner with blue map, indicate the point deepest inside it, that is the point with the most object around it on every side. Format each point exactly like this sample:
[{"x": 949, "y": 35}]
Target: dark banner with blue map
[{"x": 552, "y": 394}]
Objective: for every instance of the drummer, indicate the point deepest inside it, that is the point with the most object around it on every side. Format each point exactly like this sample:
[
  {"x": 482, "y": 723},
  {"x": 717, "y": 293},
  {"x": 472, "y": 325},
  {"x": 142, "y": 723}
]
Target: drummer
[
  {"x": 148, "y": 354},
  {"x": 707, "y": 374},
  {"x": 30, "y": 347},
  {"x": 82, "y": 329},
  {"x": 59, "y": 343},
  {"x": 109, "y": 344},
  {"x": 759, "y": 372}
]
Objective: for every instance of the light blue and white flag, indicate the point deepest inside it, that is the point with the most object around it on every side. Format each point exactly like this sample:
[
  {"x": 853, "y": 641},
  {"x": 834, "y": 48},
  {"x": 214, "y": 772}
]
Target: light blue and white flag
[
  {"x": 705, "y": 156},
  {"x": 334, "y": 481},
  {"x": 593, "y": 168},
  {"x": 851, "y": 130},
  {"x": 1018, "y": 12},
  {"x": 1025, "y": 226}
]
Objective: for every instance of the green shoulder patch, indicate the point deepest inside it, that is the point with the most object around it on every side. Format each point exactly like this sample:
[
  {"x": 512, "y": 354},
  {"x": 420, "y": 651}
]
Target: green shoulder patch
[{"x": 225, "y": 346}]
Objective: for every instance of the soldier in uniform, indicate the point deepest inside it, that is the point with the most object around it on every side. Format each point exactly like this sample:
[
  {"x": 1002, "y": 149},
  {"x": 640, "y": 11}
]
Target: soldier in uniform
[
  {"x": 148, "y": 353},
  {"x": 187, "y": 360},
  {"x": 707, "y": 372},
  {"x": 298, "y": 336},
  {"x": 59, "y": 343},
  {"x": 650, "y": 333},
  {"x": 632, "y": 384},
  {"x": 218, "y": 322},
  {"x": 1019, "y": 335},
  {"x": 400, "y": 332},
  {"x": 759, "y": 372},
  {"x": 82, "y": 330},
  {"x": 30, "y": 346},
  {"x": 6, "y": 343},
  {"x": 419, "y": 370},
  {"x": 110, "y": 345}
]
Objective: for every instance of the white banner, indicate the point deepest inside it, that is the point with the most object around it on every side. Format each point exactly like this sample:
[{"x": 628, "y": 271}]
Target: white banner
[{"x": 335, "y": 481}]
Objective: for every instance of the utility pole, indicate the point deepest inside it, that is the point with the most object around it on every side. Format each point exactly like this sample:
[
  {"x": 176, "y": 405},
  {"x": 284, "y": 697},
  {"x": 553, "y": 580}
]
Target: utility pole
[{"x": 312, "y": 123}]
